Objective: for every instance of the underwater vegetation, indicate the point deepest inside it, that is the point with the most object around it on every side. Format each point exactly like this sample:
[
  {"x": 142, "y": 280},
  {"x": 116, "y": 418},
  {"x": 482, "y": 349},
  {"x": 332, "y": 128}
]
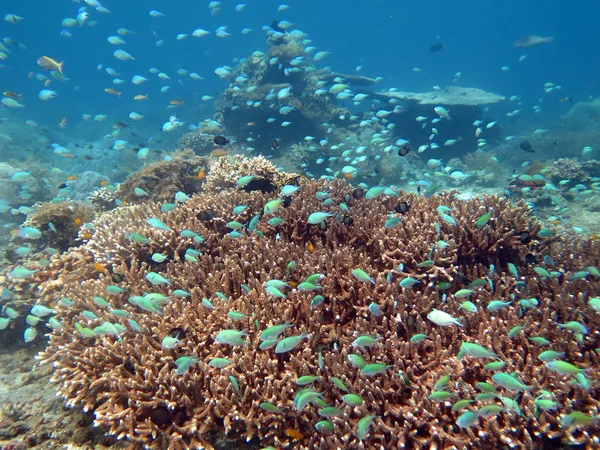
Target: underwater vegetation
[{"x": 327, "y": 316}]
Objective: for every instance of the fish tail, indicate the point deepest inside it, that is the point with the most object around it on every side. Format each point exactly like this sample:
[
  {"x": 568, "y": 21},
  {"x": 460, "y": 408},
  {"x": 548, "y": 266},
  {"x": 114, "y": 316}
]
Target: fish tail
[{"x": 60, "y": 67}]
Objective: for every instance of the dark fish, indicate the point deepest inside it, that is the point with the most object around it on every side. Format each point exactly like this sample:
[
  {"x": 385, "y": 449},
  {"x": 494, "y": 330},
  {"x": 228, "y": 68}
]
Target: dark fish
[
  {"x": 401, "y": 208},
  {"x": 462, "y": 137},
  {"x": 275, "y": 144},
  {"x": 90, "y": 146},
  {"x": 358, "y": 193},
  {"x": 530, "y": 258},
  {"x": 555, "y": 143},
  {"x": 525, "y": 237},
  {"x": 275, "y": 26},
  {"x": 87, "y": 157},
  {"x": 220, "y": 140},
  {"x": 120, "y": 125},
  {"x": 404, "y": 150},
  {"x": 436, "y": 47},
  {"x": 526, "y": 147},
  {"x": 62, "y": 186}
]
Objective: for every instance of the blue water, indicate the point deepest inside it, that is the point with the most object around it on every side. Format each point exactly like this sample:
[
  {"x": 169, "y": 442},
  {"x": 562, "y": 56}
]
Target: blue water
[{"x": 388, "y": 38}]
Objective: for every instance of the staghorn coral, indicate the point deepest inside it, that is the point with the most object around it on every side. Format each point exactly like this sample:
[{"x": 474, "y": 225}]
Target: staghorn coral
[
  {"x": 130, "y": 380},
  {"x": 199, "y": 142},
  {"x": 224, "y": 172},
  {"x": 162, "y": 179}
]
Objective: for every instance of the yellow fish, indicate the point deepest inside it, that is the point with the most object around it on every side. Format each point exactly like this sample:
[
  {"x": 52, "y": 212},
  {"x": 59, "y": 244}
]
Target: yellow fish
[{"x": 50, "y": 64}]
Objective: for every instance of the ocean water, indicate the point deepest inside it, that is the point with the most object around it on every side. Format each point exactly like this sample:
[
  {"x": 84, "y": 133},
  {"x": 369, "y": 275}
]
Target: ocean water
[{"x": 425, "y": 97}]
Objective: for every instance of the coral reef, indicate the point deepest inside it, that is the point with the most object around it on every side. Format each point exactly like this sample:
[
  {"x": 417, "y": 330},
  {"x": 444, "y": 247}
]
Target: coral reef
[
  {"x": 583, "y": 115},
  {"x": 161, "y": 180},
  {"x": 253, "y": 98},
  {"x": 199, "y": 142},
  {"x": 224, "y": 173},
  {"x": 175, "y": 348},
  {"x": 59, "y": 223},
  {"x": 103, "y": 200},
  {"x": 450, "y": 96},
  {"x": 574, "y": 170}
]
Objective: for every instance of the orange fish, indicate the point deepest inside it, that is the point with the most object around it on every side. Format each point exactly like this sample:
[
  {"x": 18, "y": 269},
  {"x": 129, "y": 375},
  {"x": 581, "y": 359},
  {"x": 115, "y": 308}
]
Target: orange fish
[
  {"x": 78, "y": 221},
  {"x": 218, "y": 152},
  {"x": 13, "y": 233},
  {"x": 63, "y": 122},
  {"x": 103, "y": 183},
  {"x": 293, "y": 284},
  {"x": 99, "y": 267},
  {"x": 176, "y": 103},
  {"x": 310, "y": 247},
  {"x": 111, "y": 91},
  {"x": 348, "y": 175},
  {"x": 141, "y": 97},
  {"x": 50, "y": 64},
  {"x": 294, "y": 434},
  {"x": 201, "y": 175},
  {"x": 87, "y": 235},
  {"x": 12, "y": 95}
]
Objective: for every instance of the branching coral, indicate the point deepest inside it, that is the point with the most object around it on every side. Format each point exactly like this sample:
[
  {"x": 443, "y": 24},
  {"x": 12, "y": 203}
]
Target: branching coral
[{"x": 120, "y": 365}]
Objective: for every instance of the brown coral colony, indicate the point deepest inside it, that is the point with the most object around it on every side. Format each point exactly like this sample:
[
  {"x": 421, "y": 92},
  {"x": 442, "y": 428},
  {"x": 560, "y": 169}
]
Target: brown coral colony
[{"x": 358, "y": 358}]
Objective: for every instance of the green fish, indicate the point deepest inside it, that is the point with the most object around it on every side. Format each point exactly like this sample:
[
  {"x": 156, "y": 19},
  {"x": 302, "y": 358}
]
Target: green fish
[
  {"x": 461, "y": 404},
  {"x": 324, "y": 426},
  {"x": 374, "y": 369},
  {"x": 158, "y": 224},
  {"x": 219, "y": 363},
  {"x": 272, "y": 333},
  {"x": 307, "y": 287},
  {"x": 244, "y": 181},
  {"x": 352, "y": 399},
  {"x": 509, "y": 382},
  {"x": 340, "y": 384},
  {"x": 564, "y": 368},
  {"x": 366, "y": 341},
  {"x": 307, "y": 379},
  {"x": 268, "y": 407},
  {"x": 363, "y": 426},
  {"x": 357, "y": 361},
  {"x": 183, "y": 363},
  {"x": 273, "y": 206},
  {"x": 475, "y": 350},
  {"x": 418, "y": 338},
  {"x": 231, "y": 337},
  {"x": 576, "y": 419},
  {"x": 463, "y": 293},
  {"x": 290, "y": 343},
  {"x": 318, "y": 217},
  {"x": 440, "y": 396},
  {"x": 482, "y": 221}
]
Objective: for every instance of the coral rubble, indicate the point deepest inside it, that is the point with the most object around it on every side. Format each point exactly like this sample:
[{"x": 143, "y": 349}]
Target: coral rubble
[{"x": 127, "y": 363}]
